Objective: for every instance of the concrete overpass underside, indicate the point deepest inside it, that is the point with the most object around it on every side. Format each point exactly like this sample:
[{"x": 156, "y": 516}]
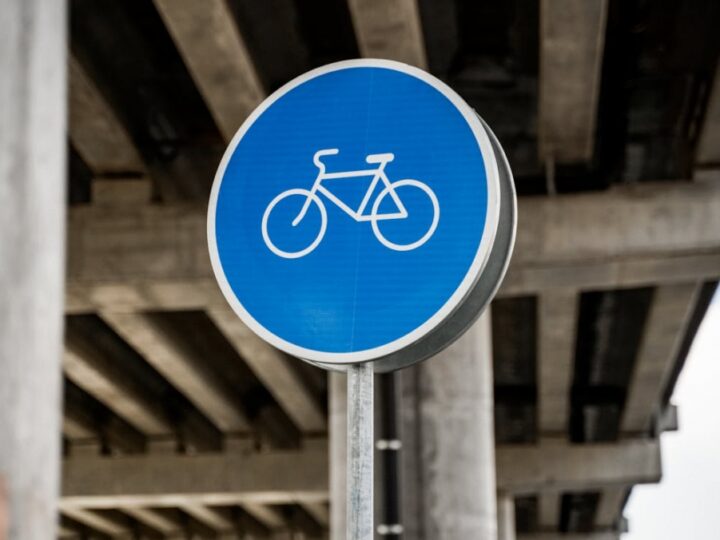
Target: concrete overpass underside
[{"x": 179, "y": 423}]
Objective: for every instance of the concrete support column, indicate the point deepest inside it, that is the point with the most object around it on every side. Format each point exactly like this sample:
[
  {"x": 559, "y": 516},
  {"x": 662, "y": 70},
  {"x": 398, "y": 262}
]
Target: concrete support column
[
  {"x": 338, "y": 455},
  {"x": 32, "y": 232},
  {"x": 411, "y": 481},
  {"x": 506, "y": 517},
  {"x": 449, "y": 443}
]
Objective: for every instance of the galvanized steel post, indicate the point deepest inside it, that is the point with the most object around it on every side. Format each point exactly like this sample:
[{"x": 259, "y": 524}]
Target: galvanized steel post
[{"x": 360, "y": 452}]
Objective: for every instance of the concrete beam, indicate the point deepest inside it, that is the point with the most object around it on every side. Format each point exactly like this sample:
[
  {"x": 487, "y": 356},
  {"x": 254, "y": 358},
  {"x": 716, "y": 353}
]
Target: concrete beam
[
  {"x": 609, "y": 509},
  {"x": 156, "y": 256},
  {"x": 557, "y": 320},
  {"x": 153, "y": 519},
  {"x": 181, "y": 368},
  {"x": 649, "y": 234},
  {"x": 708, "y": 148},
  {"x": 670, "y": 313},
  {"x": 92, "y": 372},
  {"x": 273, "y": 369},
  {"x": 164, "y": 289},
  {"x": 214, "y": 479},
  {"x": 524, "y": 469},
  {"x": 571, "y": 536},
  {"x": 572, "y": 37},
  {"x": 668, "y": 419},
  {"x": 211, "y": 517},
  {"x": 629, "y": 221},
  {"x": 549, "y": 510},
  {"x": 95, "y": 131},
  {"x": 81, "y": 449},
  {"x": 389, "y": 29},
  {"x": 620, "y": 273},
  {"x": 217, "y": 58},
  {"x": 66, "y": 533},
  {"x": 81, "y": 415},
  {"x": 72, "y": 428},
  {"x": 318, "y": 511},
  {"x": 151, "y": 242},
  {"x": 506, "y": 517},
  {"x": 96, "y": 521},
  {"x": 268, "y": 516},
  {"x": 121, "y": 192}
]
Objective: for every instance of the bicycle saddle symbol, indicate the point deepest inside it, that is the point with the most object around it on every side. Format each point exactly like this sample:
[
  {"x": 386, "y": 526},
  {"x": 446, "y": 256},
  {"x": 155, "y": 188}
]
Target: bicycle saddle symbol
[{"x": 375, "y": 217}]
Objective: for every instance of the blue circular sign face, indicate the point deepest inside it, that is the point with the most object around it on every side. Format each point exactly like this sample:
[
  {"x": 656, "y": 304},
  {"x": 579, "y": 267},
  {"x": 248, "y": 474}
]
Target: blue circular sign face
[{"x": 353, "y": 211}]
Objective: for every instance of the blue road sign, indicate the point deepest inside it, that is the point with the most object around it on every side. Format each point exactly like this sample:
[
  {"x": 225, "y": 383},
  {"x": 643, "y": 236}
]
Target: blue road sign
[{"x": 353, "y": 211}]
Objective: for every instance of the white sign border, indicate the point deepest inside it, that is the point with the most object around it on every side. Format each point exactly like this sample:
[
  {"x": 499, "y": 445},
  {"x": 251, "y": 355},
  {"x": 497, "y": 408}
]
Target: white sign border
[{"x": 481, "y": 256}]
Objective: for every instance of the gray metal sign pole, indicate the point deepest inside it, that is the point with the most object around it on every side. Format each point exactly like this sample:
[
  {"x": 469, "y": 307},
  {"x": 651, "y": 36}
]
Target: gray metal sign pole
[{"x": 360, "y": 452}]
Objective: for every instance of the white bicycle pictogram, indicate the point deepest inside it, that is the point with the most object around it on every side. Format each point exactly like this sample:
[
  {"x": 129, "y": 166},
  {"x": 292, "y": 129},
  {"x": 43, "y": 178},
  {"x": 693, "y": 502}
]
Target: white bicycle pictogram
[{"x": 374, "y": 216}]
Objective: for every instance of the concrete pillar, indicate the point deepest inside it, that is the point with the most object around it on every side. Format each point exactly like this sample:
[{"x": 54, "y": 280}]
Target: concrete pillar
[
  {"x": 410, "y": 472},
  {"x": 449, "y": 445},
  {"x": 338, "y": 455},
  {"x": 506, "y": 517},
  {"x": 32, "y": 233}
]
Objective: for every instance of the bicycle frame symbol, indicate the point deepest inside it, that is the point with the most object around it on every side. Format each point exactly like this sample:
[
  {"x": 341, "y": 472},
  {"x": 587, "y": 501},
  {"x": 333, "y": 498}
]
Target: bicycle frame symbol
[{"x": 375, "y": 217}]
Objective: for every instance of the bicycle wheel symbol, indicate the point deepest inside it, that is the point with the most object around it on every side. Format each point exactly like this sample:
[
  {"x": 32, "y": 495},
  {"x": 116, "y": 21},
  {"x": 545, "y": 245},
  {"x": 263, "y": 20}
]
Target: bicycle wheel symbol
[
  {"x": 292, "y": 193},
  {"x": 377, "y": 218}
]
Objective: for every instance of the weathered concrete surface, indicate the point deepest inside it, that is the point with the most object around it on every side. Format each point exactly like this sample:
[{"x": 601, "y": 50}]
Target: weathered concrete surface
[
  {"x": 527, "y": 469},
  {"x": 389, "y": 29},
  {"x": 576, "y": 536},
  {"x": 216, "y": 56},
  {"x": 506, "y": 517},
  {"x": 187, "y": 372},
  {"x": 457, "y": 444},
  {"x": 572, "y": 38},
  {"x": 609, "y": 506},
  {"x": 156, "y": 257},
  {"x": 557, "y": 318},
  {"x": 708, "y": 148},
  {"x": 273, "y": 369},
  {"x": 96, "y": 132},
  {"x": 205, "y": 479},
  {"x": 670, "y": 313},
  {"x": 32, "y": 238}
]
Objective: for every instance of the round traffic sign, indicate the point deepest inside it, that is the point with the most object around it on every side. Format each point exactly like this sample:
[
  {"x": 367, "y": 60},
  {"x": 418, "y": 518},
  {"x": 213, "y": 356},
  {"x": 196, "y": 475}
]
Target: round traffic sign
[{"x": 354, "y": 211}]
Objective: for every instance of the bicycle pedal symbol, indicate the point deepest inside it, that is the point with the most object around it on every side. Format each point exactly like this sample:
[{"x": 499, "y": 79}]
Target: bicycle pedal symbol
[{"x": 375, "y": 217}]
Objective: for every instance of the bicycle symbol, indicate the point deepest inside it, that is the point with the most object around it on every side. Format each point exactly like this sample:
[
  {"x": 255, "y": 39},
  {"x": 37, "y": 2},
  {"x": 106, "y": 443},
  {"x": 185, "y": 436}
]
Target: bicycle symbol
[{"x": 374, "y": 217}]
